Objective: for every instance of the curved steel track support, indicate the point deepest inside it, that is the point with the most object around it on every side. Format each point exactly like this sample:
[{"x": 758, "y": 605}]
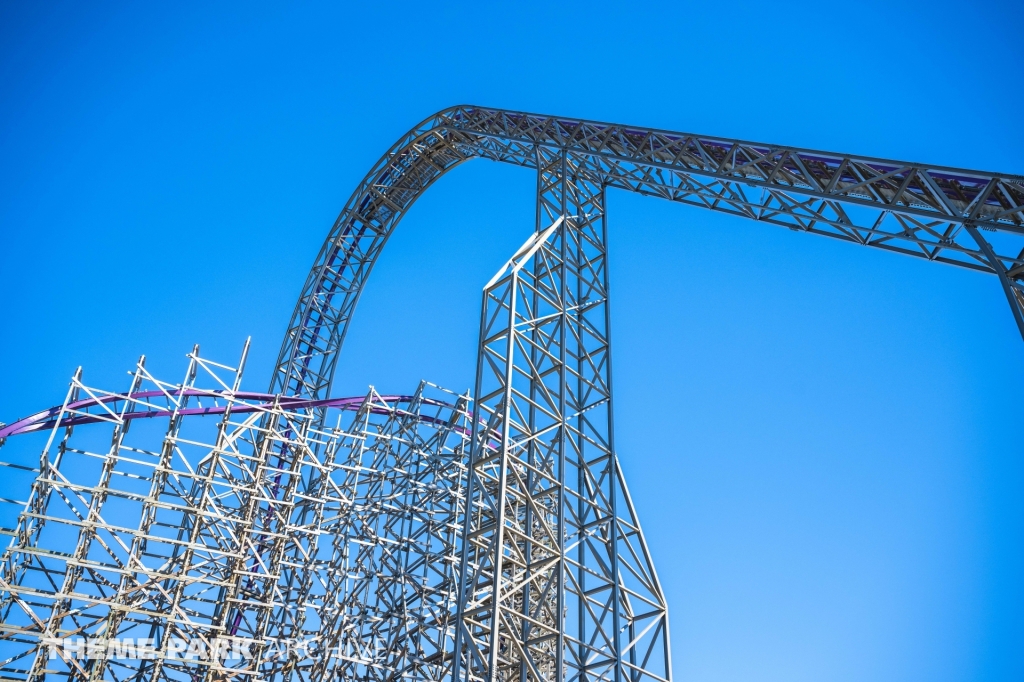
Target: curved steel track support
[
  {"x": 911, "y": 208},
  {"x": 1012, "y": 287}
]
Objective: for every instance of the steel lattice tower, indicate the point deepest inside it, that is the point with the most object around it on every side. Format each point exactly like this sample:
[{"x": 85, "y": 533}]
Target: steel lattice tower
[{"x": 429, "y": 536}]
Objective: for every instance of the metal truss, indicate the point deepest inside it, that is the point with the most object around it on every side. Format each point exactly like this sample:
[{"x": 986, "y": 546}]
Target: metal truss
[
  {"x": 192, "y": 541},
  {"x": 396, "y": 619},
  {"x": 921, "y": 210},
  {"x": 424, "y": 537},
  {"x": 557, "y": 581},
  {"x": 543, "y": 364}
]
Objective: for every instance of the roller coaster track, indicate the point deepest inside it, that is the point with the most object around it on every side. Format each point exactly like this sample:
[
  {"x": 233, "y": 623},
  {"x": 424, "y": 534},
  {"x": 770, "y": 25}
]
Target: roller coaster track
[
  {"x": 927, "y": 211},
  {"x": 526, "y": 608},
  {"x": 476, "y": 538}
]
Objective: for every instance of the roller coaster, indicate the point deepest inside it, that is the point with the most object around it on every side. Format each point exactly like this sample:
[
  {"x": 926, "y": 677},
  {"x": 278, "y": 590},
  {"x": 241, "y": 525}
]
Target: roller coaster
[{"x": 190, "y": 530}]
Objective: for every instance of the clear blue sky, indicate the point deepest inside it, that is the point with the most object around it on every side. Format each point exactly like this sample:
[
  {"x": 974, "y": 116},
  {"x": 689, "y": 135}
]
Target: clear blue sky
[{"x": 824, "y": 442}]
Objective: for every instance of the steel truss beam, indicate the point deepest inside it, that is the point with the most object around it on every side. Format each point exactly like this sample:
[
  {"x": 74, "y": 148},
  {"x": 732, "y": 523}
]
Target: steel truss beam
[{"x": 925, "y": 211}]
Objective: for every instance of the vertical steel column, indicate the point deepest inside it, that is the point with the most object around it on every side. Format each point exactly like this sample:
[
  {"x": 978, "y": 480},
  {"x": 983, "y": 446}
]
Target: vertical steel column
[
  {"x": 1013, "y": 288},
  {"x": 541, "y": 597},
  {"x": 512, "y": 570},
  {"x": 554, "y": 566},
  {"x": 589, "y": 585}
]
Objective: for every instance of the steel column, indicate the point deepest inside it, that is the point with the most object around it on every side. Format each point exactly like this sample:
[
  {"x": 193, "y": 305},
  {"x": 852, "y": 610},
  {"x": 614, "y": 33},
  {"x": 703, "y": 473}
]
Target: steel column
[{"x": 543, "y": 595}]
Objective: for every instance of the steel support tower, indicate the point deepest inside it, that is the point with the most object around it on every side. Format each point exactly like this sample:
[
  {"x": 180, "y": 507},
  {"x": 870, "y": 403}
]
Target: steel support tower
[{"x": 428, "y": 536}]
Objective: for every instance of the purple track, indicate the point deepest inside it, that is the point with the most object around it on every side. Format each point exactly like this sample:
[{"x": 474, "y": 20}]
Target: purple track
[{"x": 260, "y": 402}]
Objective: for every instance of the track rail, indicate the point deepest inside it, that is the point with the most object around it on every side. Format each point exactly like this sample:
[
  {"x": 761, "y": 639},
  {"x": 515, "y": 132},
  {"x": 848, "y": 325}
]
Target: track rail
[{"x": 97, "y": 409}]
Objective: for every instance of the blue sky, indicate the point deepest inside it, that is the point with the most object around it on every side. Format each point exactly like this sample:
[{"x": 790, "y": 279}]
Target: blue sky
[{"x": 823, "y": 441}]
